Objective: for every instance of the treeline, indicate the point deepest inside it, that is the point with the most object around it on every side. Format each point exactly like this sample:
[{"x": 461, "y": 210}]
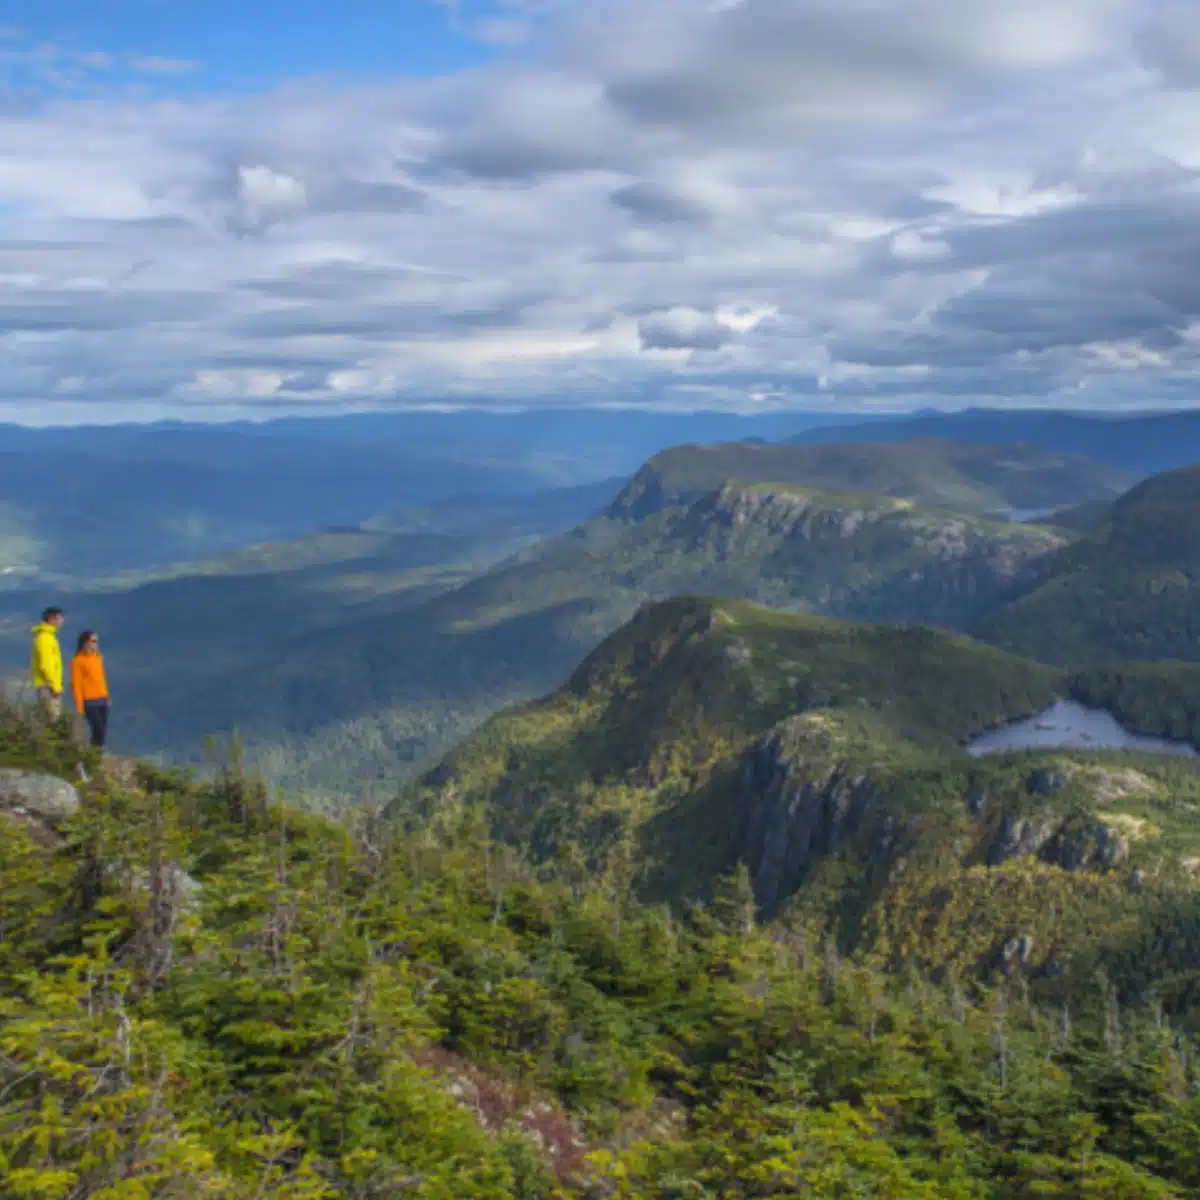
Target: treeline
[{"x": 1159, "y": 699}]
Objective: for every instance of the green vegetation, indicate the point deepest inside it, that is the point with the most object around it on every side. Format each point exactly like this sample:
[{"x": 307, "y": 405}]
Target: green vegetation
[
  {"x": 359, "y": 1012},
  {"x": 828, "y": 758},
  {"x": 504, "y": 519},
  {"x": 1130, "y": 589},
  {"x": 964, "y": 477},
  {"x": 649, "y": 736},
  {"x": 1161, "y": 699},
  {"x": 328, "y": 552}
]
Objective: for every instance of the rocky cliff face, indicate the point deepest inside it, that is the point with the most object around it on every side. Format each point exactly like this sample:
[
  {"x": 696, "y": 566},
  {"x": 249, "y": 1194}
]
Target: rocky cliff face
[
  {"x": 790, "y": 513},
  {"x": 803, "y": 800},
  {"x": 795, "y": 512},
  {"x": 799, "y": 807},
  {"x": 874, "y": 559}
]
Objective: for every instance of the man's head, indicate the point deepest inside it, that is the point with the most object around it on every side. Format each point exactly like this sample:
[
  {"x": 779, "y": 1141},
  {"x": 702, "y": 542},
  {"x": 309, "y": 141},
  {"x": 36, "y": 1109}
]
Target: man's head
[{"x": 53, "y": 616}]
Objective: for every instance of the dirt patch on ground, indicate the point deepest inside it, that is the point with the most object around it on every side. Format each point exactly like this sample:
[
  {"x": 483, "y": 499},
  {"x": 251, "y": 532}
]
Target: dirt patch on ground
[{"x": 501, "y": 1104}]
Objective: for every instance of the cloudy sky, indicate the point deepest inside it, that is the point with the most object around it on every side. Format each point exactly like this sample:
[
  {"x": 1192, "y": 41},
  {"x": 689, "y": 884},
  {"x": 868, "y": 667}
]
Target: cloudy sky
[{"x": 685, "y": 203}]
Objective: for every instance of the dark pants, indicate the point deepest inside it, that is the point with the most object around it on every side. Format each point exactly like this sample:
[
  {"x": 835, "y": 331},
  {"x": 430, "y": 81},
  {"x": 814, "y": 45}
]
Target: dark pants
[{"x": 96, "y": 713}]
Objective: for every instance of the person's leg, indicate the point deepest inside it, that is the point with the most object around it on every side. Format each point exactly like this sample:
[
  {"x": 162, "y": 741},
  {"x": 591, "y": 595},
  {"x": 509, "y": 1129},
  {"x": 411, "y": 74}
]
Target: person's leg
[
  {"x": 103, "y": 726},
  {"x": 95, "y": 719},
  {"x": 51, "y": 704}
]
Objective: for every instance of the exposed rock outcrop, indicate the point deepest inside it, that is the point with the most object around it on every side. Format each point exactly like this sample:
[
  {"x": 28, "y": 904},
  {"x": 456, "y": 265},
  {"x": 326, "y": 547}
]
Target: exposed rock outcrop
[
  {"x": 798, "y": 809},
  {"x": 42, "y": 803},
  {"x": 1020, "y": 837},
  {"x": 1068, "y": 841},
  {"x": 794, "y": 512},
  {"x": 44, "y": 798},
  {"x": 803, "y": 798}
]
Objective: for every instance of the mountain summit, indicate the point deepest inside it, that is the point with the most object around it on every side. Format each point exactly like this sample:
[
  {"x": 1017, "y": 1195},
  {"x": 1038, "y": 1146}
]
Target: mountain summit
[{"x": 936, "y": 473}]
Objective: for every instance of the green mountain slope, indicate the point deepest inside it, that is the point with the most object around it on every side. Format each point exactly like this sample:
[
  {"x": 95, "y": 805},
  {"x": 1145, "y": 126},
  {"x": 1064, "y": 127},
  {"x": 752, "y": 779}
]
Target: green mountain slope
[
  {"x": 967, "y": 477},
  {"x": 504, "y": 519},
  {"x": 1129, "y": 589},
  {"x": 828, "y": 758},
  {"x": 327, "y": 1012},
  {"x": 664, "y": 709}
]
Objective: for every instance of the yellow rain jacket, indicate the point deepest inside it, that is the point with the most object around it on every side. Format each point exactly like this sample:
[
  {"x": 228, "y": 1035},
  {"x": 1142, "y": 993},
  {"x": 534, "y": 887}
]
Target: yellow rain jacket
[{"x": 47, "y": 658}]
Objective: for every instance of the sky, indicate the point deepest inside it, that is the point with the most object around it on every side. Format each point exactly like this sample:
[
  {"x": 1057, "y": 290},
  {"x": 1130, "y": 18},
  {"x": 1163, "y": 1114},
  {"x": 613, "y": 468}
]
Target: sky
[{"x": 748, "y": 204}]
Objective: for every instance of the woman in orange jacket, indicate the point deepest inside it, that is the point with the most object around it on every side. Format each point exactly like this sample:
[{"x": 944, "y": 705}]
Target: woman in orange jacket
[{"x": 90, "y": 686}]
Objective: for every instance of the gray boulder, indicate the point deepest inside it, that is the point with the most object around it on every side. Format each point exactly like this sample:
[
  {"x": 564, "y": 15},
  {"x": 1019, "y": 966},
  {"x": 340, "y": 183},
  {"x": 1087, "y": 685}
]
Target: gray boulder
[
  {"x": 43, "y": 797},
  {"x": 178, "y": 883}
]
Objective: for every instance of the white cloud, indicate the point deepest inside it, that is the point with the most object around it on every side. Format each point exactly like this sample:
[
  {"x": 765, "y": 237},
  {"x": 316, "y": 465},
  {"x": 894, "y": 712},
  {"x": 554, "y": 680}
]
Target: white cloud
[
  {"x": 814, "y": 201},
  {"x": 150, "y": 64},
  {"x": 265, "y": 196},
  {"x": 683, "y": 328}
]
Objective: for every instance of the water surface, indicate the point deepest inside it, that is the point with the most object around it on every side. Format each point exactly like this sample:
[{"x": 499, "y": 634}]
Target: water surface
[
  {"x": 1018, "y": 516},
  {"x": 1067, "y": 725}
]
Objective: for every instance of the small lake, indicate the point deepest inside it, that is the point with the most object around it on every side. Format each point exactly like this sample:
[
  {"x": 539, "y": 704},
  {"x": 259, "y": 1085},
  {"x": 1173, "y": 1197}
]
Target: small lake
[
  {"x": 1070, "y": 726},
  {"x": 1019, "y": 515}
]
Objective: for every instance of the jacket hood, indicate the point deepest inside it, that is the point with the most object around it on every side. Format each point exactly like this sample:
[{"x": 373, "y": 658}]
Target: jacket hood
[{"x": 42, "y": 627}]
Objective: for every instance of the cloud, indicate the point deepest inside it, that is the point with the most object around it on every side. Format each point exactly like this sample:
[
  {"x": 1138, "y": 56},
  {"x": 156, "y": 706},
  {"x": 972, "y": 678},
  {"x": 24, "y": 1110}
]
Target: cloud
[
  {"x": 803, "y": 62},
  {"x": 501, "y": 22},
  {"x": 683, "y": 329},
  {"x": 68, "y": 68},
  {"x": 1170, "y": 44},
  {"x": 149, "y": 64},
  {"x": 263, "y": 196},
  {"x": 684, "y": 199},
  {"x": 749, "y": 203}
]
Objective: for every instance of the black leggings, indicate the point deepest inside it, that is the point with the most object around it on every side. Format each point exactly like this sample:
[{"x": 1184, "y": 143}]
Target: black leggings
[{"x": 97, "y": 719}]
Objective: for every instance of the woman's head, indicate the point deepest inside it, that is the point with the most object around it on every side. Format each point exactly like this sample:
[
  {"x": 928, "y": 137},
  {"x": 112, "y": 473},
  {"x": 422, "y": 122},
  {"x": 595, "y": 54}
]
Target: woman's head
[{"x": 88, "y": 640}]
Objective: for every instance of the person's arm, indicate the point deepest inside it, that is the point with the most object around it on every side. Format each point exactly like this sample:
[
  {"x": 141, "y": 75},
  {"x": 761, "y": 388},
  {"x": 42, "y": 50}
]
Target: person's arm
[{"x": 77, "y": 683}]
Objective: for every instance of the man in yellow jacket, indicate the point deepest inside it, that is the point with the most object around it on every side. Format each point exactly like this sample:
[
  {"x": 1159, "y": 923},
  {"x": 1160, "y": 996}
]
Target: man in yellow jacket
[{"x": 47, "y": 661}]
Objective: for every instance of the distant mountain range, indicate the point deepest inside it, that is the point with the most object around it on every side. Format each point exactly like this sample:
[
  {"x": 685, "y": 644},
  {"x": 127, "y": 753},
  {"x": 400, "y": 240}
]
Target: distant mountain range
[
  {"x": 82, "y": 502},
  {"x": 381, "y": 650},
  {"x": 1144, "y": 444},
  {"x": 378, "y": 645}
]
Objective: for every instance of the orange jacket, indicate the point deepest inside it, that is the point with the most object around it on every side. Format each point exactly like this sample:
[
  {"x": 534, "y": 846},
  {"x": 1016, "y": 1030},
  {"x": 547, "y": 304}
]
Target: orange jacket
[{"x": 87, "y": 679}]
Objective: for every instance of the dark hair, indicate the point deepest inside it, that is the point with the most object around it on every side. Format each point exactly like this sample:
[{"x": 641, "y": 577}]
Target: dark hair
[
  {"x": 49, "y": 614},
  {"x": 85, "y": 637}
]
